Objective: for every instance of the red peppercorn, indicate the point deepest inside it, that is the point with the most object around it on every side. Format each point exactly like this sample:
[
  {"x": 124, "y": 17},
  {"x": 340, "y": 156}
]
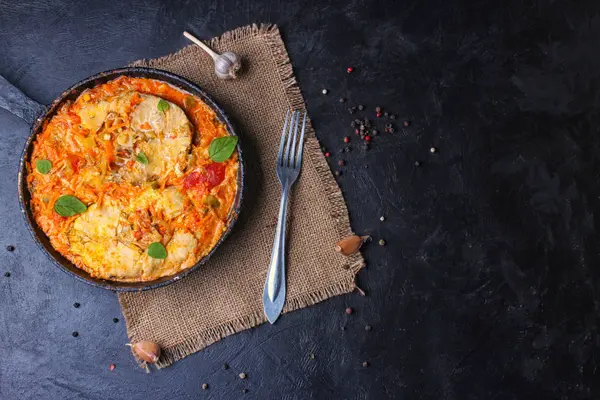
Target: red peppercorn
[
  {"x": 378, "y": 115},
  {"x": 112, "y": 367},
  {"x": 368, "y": 138},
  {"x": 346, "y": 139},
  {"x": 350, "y": 69},
  {"x": 327, "y": 154},
  {"x": 349, "y": 311}
]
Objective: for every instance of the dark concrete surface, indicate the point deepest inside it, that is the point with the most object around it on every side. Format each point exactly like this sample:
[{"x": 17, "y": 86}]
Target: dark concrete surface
[{"x": 488, "y": 285}]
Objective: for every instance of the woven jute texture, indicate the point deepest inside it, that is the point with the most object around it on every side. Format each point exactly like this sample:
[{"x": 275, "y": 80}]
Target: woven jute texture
[{"x": 225, "y": 295}]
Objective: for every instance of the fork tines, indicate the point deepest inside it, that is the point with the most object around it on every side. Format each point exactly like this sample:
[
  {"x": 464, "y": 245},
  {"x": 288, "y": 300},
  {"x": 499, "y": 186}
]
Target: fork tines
[{"x": 292, "y": 156}]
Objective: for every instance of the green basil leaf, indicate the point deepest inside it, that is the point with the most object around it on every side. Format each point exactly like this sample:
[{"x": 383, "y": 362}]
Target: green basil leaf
[
  {"x": 141, "y": 157},
  {"x": 157, "y": 250},
  {"x": 163, "y": 105},
  {"x": 43, "y": 166},
  {"x": 68, "y": 205},
  {"x": 222, "y": 148}
]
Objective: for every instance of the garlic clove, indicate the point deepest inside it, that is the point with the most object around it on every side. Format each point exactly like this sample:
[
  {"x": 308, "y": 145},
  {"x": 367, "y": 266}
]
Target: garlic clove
[
  {"x": 351, "y": 244},
  {"x": 146, "y": 351},
  {"x": 227, "y": 65}
]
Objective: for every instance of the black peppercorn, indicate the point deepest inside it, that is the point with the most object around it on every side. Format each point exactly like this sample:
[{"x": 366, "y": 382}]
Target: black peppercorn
[
  {"x": 368, "y": 328},
  {"x": 75, "y": 334},
  {"x": 76, "y": 305},
  {"x": 347, "y": 149},
  {"x": 375, "y": 132},
  {"x": 351, "y": 110},
  {"x": 225, "y": 366},
  {"x": 385, "y": 114},
  {"x": 115, "y": 320},
  {"x": 353, "y": 124},
  {"x": 10, "y": 248},
  {"x": 244, "y": 390},
  {"x": 7, "y": 274},
  {"x": 392, "y": 116}
]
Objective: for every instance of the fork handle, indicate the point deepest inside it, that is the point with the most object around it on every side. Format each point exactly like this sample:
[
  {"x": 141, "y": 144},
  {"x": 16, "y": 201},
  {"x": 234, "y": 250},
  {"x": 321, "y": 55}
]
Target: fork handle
[{"x": 275, "y": 290}]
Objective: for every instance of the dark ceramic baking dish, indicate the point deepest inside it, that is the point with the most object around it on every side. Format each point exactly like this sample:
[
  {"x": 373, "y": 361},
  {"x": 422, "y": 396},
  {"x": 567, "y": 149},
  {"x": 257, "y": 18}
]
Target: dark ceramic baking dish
[{"x": 36, "y": 115}]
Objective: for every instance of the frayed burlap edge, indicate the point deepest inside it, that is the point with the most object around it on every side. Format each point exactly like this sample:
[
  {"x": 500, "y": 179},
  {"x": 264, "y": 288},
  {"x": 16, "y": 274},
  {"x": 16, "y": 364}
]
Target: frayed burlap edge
[{"x": 337, "y": 208}]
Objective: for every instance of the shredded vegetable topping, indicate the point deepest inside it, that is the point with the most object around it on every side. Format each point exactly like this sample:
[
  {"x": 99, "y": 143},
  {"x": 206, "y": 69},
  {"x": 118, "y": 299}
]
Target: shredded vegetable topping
[{"x": 124, "y": 172}]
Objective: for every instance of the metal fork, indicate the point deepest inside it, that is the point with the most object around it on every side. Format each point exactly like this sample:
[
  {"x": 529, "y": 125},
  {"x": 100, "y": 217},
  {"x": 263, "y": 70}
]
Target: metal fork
[{"x": 289, "y": 162}]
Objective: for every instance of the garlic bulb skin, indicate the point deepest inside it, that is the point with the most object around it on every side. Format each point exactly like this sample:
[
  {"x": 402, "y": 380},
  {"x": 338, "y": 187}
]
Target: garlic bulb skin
[{"x": 227, "y": 65}]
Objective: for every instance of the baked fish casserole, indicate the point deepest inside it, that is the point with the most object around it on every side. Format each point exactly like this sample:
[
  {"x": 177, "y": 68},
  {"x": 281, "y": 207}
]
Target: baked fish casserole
[{"x": 134, "y": 180}]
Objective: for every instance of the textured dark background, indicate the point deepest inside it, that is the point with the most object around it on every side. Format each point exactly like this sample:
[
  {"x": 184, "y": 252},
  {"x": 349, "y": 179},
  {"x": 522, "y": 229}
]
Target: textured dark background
[{"x": 488, "y": 285}]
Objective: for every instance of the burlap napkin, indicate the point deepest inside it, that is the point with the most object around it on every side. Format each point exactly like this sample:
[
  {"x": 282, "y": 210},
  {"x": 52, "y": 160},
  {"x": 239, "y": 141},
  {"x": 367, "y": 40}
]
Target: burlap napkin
[{"x": 225, "y": 295}]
